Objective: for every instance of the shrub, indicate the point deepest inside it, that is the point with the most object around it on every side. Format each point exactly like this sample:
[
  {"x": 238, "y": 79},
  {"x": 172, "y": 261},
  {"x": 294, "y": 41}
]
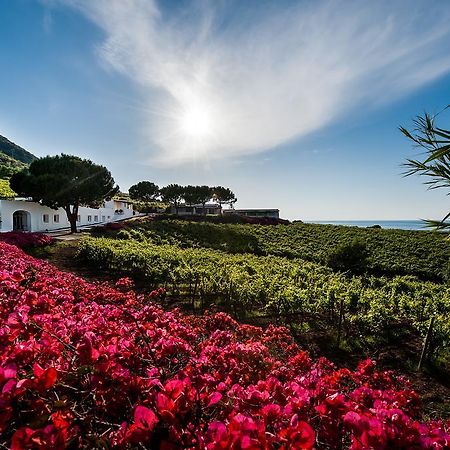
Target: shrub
[
  {"x": 109, "y": 227},
  {"x": 25, "y": 240},
  {"x": 349, "y": 257},
  {"x": 87, "y": 366}
]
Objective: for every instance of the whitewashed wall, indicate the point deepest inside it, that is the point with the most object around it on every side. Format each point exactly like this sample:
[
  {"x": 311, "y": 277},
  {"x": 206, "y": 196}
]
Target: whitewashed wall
[{"x": 36, "y": 215}]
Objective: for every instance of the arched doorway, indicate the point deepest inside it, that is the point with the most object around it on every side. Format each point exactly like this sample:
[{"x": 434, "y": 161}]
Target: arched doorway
[{"x": 21, "y": 221}]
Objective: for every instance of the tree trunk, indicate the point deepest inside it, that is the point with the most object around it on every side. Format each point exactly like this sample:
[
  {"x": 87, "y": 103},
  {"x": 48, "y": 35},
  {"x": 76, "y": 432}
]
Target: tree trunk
[
  {"x": 73, "y": 225},
  {"x": 72, "y": 217}
]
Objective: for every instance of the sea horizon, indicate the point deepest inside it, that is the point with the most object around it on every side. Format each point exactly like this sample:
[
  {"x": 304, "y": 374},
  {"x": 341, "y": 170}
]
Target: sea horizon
[{"x": 416, "y": 225}]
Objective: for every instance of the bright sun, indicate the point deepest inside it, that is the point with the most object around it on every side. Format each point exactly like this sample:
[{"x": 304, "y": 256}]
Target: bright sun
[{"x": 196, "y": 122}]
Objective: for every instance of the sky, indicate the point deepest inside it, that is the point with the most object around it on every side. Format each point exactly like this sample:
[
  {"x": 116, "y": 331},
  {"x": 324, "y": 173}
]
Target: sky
[{"x": 292, "y": 104}]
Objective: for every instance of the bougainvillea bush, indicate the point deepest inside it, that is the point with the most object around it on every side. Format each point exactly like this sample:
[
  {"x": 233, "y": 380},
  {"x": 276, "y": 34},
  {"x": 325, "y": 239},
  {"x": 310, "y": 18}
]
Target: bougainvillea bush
[
  {"x": 24, "y": 239},
  {"x": 85, "y": 365}
]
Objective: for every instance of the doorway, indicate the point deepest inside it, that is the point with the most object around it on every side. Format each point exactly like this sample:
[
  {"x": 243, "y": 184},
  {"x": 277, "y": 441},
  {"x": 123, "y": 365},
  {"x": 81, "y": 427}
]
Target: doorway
[{"x": 21, "y": 221}]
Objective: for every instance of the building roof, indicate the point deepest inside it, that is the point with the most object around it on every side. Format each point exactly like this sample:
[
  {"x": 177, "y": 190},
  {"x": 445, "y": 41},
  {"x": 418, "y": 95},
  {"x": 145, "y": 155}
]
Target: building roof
[
  {"x": 207, "y": 205},
  {"x": 253, "y": 209}
]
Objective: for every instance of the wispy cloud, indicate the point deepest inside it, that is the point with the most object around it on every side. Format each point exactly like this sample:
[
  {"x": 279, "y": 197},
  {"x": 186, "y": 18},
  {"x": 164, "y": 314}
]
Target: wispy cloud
[{"x": 266, "y": 73}]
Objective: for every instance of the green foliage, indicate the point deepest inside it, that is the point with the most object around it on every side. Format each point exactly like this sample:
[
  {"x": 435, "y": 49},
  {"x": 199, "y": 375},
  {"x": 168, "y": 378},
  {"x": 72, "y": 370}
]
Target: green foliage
[
  {"x": 145, "y": 191},
  {"x": 14, "y": 151},
  {"x": 351, "y": 257},
  {"x": 249, "y": 284},
  {"x": 222, "y": 195},
  {"x": 5, "y": 190},
  {"x": 200, "y": 194},
  {"x": 391, "y": 252},
  {"x": 9, "y": 166},
  {"x": 65, "y": 181},
  {"x": 436, "y": 166},
  {"x": 205, "y": 193},
  {"x": 58, "y": 181},
  {"x": 150, "y": 207},
  {"x": 172, "y": 193},
  {"x": 192, "y": 195}
]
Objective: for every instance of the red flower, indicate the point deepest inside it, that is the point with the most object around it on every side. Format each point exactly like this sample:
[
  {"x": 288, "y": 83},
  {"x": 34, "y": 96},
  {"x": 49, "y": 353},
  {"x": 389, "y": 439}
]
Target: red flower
[
  {"x": 144, "y": 423},
  {"x": 206, "y": 381},
  {"x": 299, "y": 435},
  {"x": 217, "y": 436},
  {"x": 22, "y": 439},
  {"x": 44, "y": 379}
]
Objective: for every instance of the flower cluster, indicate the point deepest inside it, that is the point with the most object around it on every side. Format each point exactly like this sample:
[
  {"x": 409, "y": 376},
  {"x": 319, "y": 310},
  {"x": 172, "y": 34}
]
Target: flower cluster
[
  {"x": 24, "y": 240},
  {"x": 84, "y": 365}
]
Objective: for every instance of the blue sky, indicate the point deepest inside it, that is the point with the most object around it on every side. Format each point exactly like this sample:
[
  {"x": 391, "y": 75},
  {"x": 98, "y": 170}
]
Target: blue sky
[{"x": 298, "y": 102}]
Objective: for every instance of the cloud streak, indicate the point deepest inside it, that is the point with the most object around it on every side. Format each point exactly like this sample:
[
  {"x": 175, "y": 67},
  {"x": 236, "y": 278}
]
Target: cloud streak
[{"x": 265, "y": 73}]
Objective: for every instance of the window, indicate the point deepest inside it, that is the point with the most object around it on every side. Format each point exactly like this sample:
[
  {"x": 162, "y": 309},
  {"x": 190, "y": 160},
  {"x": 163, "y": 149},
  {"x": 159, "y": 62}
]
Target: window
[
  {"x": 109, "y": 217},
  {"x": 45, "y": 218},
  {"x": 95, "y": 218},
  {"x": 56, "y": 218},
  {"x": 103, "y": 218},
  {"x": 78, "y": 218},
  {"x": 89, "y": 218}
]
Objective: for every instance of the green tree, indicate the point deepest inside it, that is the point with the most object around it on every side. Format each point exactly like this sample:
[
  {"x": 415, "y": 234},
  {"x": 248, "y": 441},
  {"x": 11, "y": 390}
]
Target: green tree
[
  {"x": 436, "y": 164},
  {"x": 223, "y": 195},
  {"x": 173, "y": 193},
  {"x": 204, "y": 194},
  {"x": 145, "y": 191},
  {"x": 67, "y": 182},
  {"x": 194, "y": 195},
  {"x": 190, "y": 195}
]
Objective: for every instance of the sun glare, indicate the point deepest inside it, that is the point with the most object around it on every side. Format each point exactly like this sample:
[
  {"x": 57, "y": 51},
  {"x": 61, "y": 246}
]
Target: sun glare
[{"x": 196, "y": 122}]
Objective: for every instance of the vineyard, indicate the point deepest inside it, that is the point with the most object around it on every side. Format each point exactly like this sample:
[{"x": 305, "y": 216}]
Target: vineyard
[
  {"x": 90, "y": 366},
  {"x": 308, "y": 294},
  {"x": 391, "y": 252}
]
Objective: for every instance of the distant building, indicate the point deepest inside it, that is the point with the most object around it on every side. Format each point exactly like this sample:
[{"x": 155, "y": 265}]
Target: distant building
[
  {"x": 263, "y": 212},
  {"x": 26, "y": 215},
  {"x": 191, "y": 210}
]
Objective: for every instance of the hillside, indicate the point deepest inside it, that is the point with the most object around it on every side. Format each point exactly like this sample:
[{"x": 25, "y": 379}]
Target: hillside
[
  {"x": 9, "y": 165},
  {"x": 13, "y": 158},
  {"x": 247, "y": 271},
  {"x": 391, "y": 252},
  {"x": 15, "y": 151}
]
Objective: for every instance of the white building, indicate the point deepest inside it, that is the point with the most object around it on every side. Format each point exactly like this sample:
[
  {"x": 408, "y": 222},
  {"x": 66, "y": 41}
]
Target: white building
[
  {"x": 192, "y": 210},
  {"x": 262, "y": 212},
  {"x": 26, "y": 215}
]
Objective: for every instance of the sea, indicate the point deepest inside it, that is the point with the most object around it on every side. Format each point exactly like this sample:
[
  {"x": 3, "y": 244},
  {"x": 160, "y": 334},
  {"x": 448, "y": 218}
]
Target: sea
[{"x": 396, "y": 224}]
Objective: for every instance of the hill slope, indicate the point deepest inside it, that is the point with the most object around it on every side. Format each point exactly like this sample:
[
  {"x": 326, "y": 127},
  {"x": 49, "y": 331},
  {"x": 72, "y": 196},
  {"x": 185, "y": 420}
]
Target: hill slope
[
  {"x": 15, "y": 151},
  {"x": 13, "y": 158},
  {"x": 9, "y": 166}
]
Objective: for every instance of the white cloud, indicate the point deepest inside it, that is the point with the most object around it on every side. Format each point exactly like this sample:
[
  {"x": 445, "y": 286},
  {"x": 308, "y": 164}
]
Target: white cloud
[{"x": 269, "y": 72}]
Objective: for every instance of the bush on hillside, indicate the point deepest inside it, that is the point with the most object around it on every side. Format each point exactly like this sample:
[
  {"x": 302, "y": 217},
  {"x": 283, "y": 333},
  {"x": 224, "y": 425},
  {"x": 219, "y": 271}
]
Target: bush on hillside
[
  {"x": 5, "y": 190},
  {"x": 225, "y": 219},
  {"x": 349, "y": 257}
]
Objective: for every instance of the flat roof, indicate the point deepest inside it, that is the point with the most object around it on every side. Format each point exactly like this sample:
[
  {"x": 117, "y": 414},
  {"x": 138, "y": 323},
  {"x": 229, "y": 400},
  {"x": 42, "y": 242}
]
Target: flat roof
[
  {"x": 199, "y": 205},
  {"x": 253, "y": 209}
]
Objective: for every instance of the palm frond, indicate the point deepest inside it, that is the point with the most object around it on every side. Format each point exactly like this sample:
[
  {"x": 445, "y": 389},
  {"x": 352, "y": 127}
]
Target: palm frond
[{"x": 436, "y": 166}]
